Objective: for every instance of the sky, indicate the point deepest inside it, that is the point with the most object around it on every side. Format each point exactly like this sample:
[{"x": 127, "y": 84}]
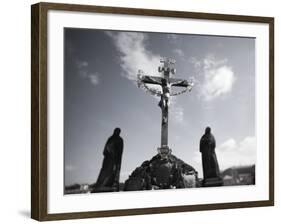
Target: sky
[{"x": 101, "y": 93}]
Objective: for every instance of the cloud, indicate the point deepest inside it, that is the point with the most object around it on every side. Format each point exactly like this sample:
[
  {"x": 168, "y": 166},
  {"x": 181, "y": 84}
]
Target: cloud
[
  {"x": 94, "y": 78},
  {"x": 196, "y": 63},
  {"x": 69, "y": 48},
  {"x": 228, "y": 145},
  {"x": 197, "y": 157},
  {"x": 218, "y": 78},
  {"x": 179, "y": 52},
  {"x": 84, "y": 72},
  {"x": 176, "y": 112},
  {"x": 134, "y": 55},
  {"x": 218, "y": 81},
  {"x": 173, "y": 38},
  {"x": 69, "y": 167},
  {"x": 82, "y": 64},
  {"x": 231, "y": 153}
]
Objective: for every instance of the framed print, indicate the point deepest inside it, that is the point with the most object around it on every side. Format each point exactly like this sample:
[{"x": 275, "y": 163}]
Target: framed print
[{"x": 139, "y": 111}]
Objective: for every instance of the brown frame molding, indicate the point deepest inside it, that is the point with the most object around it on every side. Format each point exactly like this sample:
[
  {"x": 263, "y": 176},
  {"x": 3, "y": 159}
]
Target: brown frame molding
[{"x": 39, "y": 121}]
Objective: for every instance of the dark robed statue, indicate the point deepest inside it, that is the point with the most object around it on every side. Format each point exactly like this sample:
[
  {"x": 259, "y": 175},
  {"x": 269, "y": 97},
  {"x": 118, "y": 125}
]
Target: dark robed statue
[
  {"x": 211, "y": 170},
  {"x": 108, "y": 179}
]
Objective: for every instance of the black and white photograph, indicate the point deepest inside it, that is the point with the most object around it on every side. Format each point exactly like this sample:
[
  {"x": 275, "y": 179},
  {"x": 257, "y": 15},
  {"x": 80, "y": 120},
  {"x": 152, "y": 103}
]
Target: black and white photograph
[
  {"x": 157, "y": 111},
  {"x": 140, "y": 111},
  {"x": 136, "y": 111}
]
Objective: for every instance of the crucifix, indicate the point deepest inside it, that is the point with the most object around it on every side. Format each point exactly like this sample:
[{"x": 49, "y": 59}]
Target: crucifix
[{"x": 166, "y": 82}]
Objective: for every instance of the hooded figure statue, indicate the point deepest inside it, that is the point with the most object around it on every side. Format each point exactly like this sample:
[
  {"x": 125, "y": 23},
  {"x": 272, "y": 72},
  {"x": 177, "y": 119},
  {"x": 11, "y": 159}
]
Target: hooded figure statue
[
  {"x": 209, "y": 158},
  {"x": 108, "y": 179}
]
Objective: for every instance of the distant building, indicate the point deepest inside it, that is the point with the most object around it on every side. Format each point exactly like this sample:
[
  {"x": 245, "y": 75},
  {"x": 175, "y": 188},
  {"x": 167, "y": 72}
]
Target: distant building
[
  {"x": 243, "y": 175},
  {"x": 77, "y": 189},
  {"x": 84, "y": 188}
]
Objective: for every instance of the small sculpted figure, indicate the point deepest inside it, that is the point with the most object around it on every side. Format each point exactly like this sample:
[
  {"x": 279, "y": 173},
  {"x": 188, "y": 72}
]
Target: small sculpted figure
[
  {"x": 209, "y": 158},
  {"x": 108, "y": 179}
]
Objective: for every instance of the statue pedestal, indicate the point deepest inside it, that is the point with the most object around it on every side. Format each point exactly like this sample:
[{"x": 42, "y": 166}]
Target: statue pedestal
[
  {"x": 160, "y": 172},
  {"x": 104, "y": 189},
  {"x": 213, "y": 182},
  {"x": 164, "y": 151}
]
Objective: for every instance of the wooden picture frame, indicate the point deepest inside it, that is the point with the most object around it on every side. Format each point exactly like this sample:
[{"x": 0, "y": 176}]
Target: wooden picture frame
[{"x": 39, "y": 109}]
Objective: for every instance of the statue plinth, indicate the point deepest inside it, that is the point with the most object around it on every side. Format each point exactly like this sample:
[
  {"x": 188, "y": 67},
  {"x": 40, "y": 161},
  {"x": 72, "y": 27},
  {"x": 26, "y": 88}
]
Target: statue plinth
[
  {"x": 213, "y": 182},
  {"x": 162, "y": 172},
  {"x": 164, "y": 151},
  {"x": 103, "y": 189}
]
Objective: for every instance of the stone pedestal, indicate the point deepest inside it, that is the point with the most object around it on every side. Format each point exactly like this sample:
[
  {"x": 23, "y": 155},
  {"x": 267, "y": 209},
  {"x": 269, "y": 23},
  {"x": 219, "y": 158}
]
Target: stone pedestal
[
  {"x": 104, "y": 189},
  {"x": 162, "y": 173},
  {"x": 213, "y": 182}
]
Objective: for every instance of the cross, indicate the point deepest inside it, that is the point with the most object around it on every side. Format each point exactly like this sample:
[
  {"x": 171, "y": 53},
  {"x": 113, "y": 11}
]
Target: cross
[{"x": 166, "y": 83}]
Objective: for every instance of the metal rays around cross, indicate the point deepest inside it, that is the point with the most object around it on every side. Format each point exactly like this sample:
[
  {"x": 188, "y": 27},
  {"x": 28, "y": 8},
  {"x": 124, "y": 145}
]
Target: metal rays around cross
[{"x": 165, "y": 82}]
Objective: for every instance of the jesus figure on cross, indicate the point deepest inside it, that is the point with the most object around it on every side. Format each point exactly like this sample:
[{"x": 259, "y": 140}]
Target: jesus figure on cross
[{"x": 164, "y": 102}]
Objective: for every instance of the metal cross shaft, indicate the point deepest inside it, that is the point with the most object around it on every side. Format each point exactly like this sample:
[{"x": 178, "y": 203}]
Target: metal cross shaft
[{"x": 166, "y": 83}]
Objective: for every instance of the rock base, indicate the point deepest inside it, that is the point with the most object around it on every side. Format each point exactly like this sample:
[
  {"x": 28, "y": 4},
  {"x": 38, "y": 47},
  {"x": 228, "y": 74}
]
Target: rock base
[{"x": 162, "y": 173}]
